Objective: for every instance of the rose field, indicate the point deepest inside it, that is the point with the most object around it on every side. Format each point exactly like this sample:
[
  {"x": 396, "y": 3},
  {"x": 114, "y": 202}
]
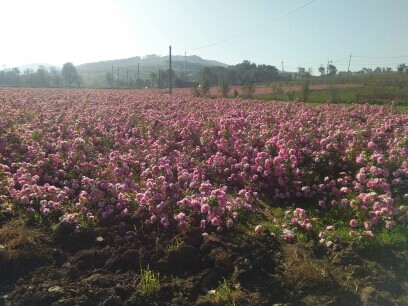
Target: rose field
[{"x": 135, "y": 197}]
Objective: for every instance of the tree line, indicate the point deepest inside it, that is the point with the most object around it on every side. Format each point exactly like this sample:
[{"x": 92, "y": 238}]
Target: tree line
[
  {"x": 245, "y": 73},
  {"x": 155, "y": 80},
  {"x": 241, "y": 74},
  {"x": 42, "y": 77}
]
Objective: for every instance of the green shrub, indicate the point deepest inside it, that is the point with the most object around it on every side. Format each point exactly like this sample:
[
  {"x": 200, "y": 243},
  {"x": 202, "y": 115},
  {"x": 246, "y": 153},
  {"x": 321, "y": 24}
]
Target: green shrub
[
  {"x": 150, "y": 281},
  {"x": 205, "y": 88},
  {"x": 305, "y": 91},
  {"x": 248, "y": 90},
  {"x": 224, "y": 88},
  {"x": 195, "y": 90}
]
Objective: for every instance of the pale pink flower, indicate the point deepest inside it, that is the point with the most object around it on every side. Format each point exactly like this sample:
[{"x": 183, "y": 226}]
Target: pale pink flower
[
  {"x": 361, "y": 177},
  {"x": 229, "y": 223},
  {"x": 205, "y": 208},
  {"x": 215, "y": 221},
  {"x": 308, "y": 226},
  {"x": 369, "y": 234},
  {"x": 353, "y": 223},
  {"x": 288, "y": 237},
  {"x": 258, "y": 229},
  {"x": 371, "y": 145}
]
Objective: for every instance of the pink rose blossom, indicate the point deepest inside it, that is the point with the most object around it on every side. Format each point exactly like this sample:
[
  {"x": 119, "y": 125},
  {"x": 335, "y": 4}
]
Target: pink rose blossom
[{"x": 258, "y": 229}]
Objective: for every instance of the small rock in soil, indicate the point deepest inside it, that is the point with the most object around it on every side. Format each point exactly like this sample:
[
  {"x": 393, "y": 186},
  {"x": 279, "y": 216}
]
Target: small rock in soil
[
  {"x": 368, "y": 296},
  {"x": 99, "y": 239},
  {"x": 57, "y": 289},
  {"x": 112, "y": 301}
]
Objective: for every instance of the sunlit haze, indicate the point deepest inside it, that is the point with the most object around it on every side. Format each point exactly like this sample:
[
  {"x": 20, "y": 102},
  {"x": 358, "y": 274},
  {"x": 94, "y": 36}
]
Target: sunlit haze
[{"x": 55, "y": 32}]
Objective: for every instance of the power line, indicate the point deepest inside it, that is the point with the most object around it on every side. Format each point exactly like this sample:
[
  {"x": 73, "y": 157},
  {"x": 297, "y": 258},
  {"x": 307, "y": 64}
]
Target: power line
[
  {"x": 341, "y": 59},
  {"x": 348, "y": 68},
  {"x": 399, "y": 56},
  {"x": 255, "y": 28},
  {"x": 143, "y": 72}
]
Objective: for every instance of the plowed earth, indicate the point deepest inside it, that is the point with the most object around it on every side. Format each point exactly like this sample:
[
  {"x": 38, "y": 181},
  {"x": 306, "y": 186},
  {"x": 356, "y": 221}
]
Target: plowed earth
[{"x": 104, "y": 268}]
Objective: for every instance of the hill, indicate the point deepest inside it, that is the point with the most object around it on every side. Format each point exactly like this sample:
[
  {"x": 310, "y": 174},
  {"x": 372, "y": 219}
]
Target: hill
[
  {"x": 35, "y": 66},
  {"x": 126, "y": 70}
]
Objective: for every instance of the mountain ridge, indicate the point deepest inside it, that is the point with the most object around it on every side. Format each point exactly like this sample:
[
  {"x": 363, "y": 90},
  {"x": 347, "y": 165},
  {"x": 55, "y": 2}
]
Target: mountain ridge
[
  {"x": 133, "y": 70},
  {"x": 149, "y": 60}
]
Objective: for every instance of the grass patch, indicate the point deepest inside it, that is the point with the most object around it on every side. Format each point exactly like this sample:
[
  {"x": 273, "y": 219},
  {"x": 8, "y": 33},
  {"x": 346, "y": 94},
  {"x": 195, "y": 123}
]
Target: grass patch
[
  {"x": 150, "y": 281},
  {"x": 396, "y": 238},
  {"x": 402, "y": 109},
  {"x": 223, "y": 294},
  {"x": 173, "y": 245},
  {"x": 372, "y": 94}
]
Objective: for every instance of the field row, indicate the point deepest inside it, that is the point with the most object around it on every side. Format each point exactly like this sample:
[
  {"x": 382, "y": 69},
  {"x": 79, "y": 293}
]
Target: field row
[{"x": 152, "y": 162}]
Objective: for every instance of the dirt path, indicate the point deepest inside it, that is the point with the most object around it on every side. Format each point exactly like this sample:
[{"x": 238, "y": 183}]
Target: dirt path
[{"x": 104, "y": 268}]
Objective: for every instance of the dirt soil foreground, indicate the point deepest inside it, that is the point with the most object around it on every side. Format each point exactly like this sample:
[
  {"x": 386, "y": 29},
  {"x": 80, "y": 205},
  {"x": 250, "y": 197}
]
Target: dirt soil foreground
[{"x": 103, "y": 268}]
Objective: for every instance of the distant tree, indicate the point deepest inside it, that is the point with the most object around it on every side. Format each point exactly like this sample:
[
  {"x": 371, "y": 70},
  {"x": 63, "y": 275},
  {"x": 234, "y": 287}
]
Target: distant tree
[
  {"x": 377, "y": 70},
  {"x": 109, "y": 78},
  {"x": 153, "y": 79},
  {"x": 402, "y": 67},
  {"x": 27, "y": 72},
  {"x": 165, "y": 78},
  {"x": 2, "y": 77},
  {"x": 42, "y": 77},
  {"x": 332, "y": 70},
  {"x": 322, "y": 70},
  {"x": 15, "y": 75},
  {"x": 265, "y": 74},
  {"x": 205, "y": 87},
  {"x": 212, "y": 74},
  {"x": 248, "y": 90},
  {"x": 69, "y": 74},
  {"x": 224, "y": 87},
  {"x": 245, "y": 72},
  {"x": 78, "y": 81},
  {"x": 301, "y": 72},
  {"x": 16, "y": 71},
  {"x": 55, "y": 75}
]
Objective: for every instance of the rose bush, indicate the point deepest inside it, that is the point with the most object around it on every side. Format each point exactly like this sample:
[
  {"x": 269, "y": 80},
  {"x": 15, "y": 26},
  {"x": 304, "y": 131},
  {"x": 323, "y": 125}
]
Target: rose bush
[{"x": 134, "y": 158}]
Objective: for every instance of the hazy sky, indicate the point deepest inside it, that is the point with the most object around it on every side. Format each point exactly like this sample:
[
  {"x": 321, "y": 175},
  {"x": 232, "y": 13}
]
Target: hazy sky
[{"x": 80, "y": 31}]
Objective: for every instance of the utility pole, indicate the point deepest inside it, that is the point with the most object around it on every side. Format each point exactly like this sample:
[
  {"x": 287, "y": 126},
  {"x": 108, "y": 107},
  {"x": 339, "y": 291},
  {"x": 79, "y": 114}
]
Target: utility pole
[
  {"x": 113, "y": 79},
  {"x": 283, "y": 75},
  {"x": 348, "y": 69},
  {"x": 327, "y": 72},
  {"x": 138, "y": 76},
  {"x": 170, "y": 68}
]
